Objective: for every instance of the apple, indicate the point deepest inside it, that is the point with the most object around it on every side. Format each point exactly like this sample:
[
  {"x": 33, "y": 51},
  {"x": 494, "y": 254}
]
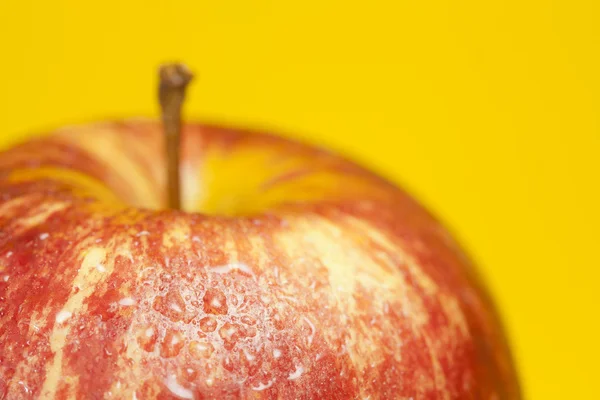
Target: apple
[{"x": 235, "y": 264}]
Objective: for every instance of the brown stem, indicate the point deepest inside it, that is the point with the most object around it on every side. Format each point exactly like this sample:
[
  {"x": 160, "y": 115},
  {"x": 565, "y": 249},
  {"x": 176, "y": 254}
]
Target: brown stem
[{"x": 174, "y": 79}]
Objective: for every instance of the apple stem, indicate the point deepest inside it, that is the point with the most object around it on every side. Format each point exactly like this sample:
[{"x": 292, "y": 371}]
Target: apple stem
[{"x": 174, "y": 79}]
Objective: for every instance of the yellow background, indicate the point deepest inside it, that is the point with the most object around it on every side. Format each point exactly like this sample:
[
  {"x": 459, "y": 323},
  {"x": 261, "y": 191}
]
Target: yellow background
[{"x": 489, "y": 111}]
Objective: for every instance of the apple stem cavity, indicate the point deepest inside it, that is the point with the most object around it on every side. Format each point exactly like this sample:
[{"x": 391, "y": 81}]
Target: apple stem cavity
[{"x": 174, "y": 79}]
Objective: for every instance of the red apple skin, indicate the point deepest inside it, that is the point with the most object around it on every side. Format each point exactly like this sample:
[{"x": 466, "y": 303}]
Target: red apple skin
[{"x": 295, "y": 275}]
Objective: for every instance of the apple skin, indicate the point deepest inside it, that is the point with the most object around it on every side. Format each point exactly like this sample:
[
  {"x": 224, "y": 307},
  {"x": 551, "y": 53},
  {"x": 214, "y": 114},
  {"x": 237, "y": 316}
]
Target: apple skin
[{"x": 293, "y": 274}]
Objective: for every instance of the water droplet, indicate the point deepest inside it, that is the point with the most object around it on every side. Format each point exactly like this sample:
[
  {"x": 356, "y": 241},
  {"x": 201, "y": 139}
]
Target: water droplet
[
  {"x": 230, "y": 335},
  {"x": 171, "y": 305},
  {"x": 228, "y": 364},
  {"x": 172, "y": 344},
  {"x": 238, "y": 287},
  {"x": 208, "y": 324},
  {"x": 215, "y": 302},
  {"x": 248, "y": 320},
  {"x": 277, "y": 321},
  {"x": 248, "y": 331},
  {"x": 189, "y": 374},
  {"x": 201, "y": 350},
  {"x": 249, "y": 356},
  {"x": 147, "y": 337}
]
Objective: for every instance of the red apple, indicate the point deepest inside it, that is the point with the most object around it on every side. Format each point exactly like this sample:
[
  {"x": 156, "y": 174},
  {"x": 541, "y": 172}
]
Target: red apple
[{"x": 289, "y": 273}]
